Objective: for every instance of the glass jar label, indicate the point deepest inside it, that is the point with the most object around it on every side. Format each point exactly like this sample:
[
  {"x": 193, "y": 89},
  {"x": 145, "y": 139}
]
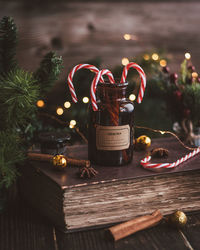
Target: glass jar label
[{"x": 112, "y": 137}]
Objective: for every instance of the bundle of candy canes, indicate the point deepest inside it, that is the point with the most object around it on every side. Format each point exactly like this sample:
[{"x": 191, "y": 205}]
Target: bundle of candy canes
[{"x": 99, "y": 78}]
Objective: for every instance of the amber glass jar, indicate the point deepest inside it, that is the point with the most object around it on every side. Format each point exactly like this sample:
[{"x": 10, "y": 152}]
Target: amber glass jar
[{"x": 110, "y": 136}]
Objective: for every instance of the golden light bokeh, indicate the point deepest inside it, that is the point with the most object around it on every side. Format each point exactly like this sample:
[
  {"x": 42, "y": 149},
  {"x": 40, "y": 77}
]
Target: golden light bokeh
[
  {"x": 146, "y": 57},
  {"x": 59, "y": 111},
  {"x": 132, "y": 97},
  {"x": 127, "y": 37},
  {"x": 72, "y": 122},
  {"x": 85, "y": 99},
  {"x": 187, "y": 56},
  {"x": 194, "y": 74},
  {"x": 155, "y": 56},
  {"x": 163, "y": 63},
  {"x": 40, "y": 103},
  {"x": 125, "y": 61},
  {"x": 67, "y": 105}
]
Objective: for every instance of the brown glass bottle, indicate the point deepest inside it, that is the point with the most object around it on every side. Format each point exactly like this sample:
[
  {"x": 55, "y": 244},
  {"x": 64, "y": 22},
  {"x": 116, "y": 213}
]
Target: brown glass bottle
[{"x": 110, "y": 136}]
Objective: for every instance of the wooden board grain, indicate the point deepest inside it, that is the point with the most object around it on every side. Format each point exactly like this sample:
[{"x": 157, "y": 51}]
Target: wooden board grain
[
  {"x": 81, "y": 31},
  {"x": 159, "y": 237},
  {"x": 22, "y": 228}
]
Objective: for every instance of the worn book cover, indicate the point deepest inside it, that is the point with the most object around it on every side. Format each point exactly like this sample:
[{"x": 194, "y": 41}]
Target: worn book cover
[{"x": 116, "y": 194}]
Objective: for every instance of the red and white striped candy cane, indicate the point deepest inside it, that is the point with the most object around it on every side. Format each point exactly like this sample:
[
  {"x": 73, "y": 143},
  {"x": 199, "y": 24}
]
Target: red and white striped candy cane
[
  {"x": 146, "y": 161},
  {"x": 94, "y": 85},
  {"x": 71, "y": 74},
  {"x": 142, "y": 77}
]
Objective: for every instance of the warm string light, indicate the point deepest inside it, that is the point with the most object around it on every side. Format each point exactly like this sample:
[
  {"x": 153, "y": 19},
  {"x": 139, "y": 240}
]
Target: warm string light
[
  {"x": 40, "y": 103},
  {"x": 59, "y": 111},
  {"x": 155, "y": 56},
  {"x": 127, "y": 37},
  {"x": 187, "y": 56},
  {"x": 194, "y": 74},
  {"x": 146, "y": 57},
  {"x": 163, "y": 63},
  {"x": 85, "y": 99},
  {"x": 125, "y": 61},
  {"x": 72, "y": 123},
  {"x": 132, "y": 97},
  {"x": 67, "y": 105},
  {"x": 162, "y": 132}
]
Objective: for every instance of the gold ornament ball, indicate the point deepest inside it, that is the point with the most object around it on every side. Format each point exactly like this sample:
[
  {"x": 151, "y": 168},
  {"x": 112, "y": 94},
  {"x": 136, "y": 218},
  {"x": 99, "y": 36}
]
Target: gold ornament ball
[
  {"x": 178, "y": 219},
  {"x": 59, "y": 161},
  {"x": 143, "y": 142}
]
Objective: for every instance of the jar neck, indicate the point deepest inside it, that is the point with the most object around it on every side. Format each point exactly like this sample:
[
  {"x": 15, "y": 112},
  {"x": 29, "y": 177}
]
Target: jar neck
[{"x": 111, "y": 92}]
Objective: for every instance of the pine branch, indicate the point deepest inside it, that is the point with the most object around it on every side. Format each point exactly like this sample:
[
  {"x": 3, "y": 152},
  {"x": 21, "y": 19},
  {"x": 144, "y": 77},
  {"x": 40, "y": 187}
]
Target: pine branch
[
  {"x": 8, "y": 43},
  {"x": 10, "y": 153},
  {"x": 48, "y": 72},
  {"x": 18, "y": 96}
]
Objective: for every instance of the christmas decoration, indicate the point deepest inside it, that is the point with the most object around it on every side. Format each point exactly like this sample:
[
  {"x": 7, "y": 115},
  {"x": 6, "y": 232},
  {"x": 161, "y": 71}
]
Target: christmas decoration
[
  {"x": 60, "y": 162},
  {"x": 177, "y": 219},
  {"x": 142, "y": 77},
  {"x": 94, "y": 85},
  {"x": 71, "y": 74},
  {"x": 182, "y": 96},
  {"x": 110, "y": 76},
  {"x": 111, "y": 122},
  {"x": 155, "y": 166},
  {"x": 19, "y": 93},
  {"x": 142, "y": 142}
]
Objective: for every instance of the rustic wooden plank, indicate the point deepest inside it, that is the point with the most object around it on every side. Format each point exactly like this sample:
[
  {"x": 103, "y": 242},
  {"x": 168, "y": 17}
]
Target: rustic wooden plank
[
  {"x": 192, "y": 230},
  {"x": 85, "y": 240},
  {"x": 86, "y": 30},
  {"x": 22, "y": 228},
  {"x": 159, "y": 237}
]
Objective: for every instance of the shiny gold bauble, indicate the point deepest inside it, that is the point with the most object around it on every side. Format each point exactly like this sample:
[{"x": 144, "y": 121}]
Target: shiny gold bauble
[
  {"x": 178, "y": 219},
  {"x": 59, "y": 161},
  {"x": 142, "y": 142}
]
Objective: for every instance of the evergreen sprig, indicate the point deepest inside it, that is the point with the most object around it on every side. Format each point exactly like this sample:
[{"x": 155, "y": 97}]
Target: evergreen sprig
[
  {"x": 8, "y": 43},
  {"x": 18, "y": 97},
  {"x": 10, "y": 153},
  {"x": 48, "y": 72}
]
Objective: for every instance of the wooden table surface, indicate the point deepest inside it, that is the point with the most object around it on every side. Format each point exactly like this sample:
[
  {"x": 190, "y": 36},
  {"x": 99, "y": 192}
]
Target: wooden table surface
[{"x": 22, "y": 228}]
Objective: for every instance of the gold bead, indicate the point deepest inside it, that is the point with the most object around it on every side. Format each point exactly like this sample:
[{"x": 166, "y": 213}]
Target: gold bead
[
  {"x": 178, "y": 219},
  {"x": 59, "y": 161},
  {"x": 143, "y": 142}
]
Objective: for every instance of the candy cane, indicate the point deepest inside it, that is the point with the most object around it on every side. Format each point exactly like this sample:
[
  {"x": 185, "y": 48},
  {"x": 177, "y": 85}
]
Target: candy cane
[
  {"x": 142, "y": 77},
  {"x": 145, "y": 162},
  {"x": 71, "y": 74},
  {"x": 94, "y": 85}
]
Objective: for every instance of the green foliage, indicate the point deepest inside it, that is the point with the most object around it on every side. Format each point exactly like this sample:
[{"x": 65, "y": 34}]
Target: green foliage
[
  {"x": 184, "y": 71},
  {"x": 8, "y": 42},
  {"x": 191, "y": 100},
  {"x": 10, "y": 153},
  {"x": 19, "y": 92},
  {"x": 181, "y": 94},
  {"x": 48, "y": 72},
  {"x": 18, "y": 96}
]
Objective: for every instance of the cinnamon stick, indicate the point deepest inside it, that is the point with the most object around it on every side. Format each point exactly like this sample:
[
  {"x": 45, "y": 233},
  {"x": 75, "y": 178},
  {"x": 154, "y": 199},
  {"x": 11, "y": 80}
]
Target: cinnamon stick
[
  {"x": 48, "y": 158},
  {"x": 127, "y": 228}
]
